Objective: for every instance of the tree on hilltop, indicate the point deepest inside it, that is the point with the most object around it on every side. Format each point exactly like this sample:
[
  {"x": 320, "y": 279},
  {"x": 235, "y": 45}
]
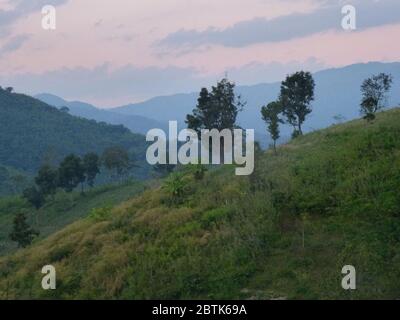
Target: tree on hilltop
[
  {"x": 374, "y": 94},
  {"x": 297, "y": 93}
]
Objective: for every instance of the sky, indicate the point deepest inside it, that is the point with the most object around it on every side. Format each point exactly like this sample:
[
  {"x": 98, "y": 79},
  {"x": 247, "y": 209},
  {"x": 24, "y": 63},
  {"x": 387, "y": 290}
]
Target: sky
[{"x": 111, "y": 53}]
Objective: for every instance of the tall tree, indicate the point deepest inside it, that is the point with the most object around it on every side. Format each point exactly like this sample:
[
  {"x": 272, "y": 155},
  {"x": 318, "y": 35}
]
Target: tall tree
[
  {"x": 22, "y": 233},
  {"x": 91, "y": 163},
  {"x": 116, "y": 159},
  {"x": 216, "y": 109},
  {"x": 374, "y": 94},
  {"x": 71, "y": 173},
  {"x": 270, "y": 114},
  {"x": 297, "y": 93},
  {"x": 47, "y": 180}
]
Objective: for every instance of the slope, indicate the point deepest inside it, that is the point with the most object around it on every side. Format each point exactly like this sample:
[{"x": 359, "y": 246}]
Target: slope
[
  {"x": 328, "y": 199},
  {"x": 32, "y": 132},
  {"x": 63, "y": 210}
]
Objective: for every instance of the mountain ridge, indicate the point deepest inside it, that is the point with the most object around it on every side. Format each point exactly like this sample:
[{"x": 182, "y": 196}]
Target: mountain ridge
[
  {"x": 135, "y": 123},
  {"x": 346, "y": 80}
]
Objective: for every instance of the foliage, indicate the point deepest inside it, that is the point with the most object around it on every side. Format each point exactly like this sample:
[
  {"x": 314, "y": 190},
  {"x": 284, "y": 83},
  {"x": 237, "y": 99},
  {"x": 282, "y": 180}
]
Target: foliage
[
  {"x": 91, "y": 163},
  {"x": 227, "y": 238},
  {"x": 117, "y": 159},
  {"x": 99, "y": 214},
  {"x": 175, "y": 185},
  {"x": 63, "y": 210},
  {"x": 30, "y": 129},
  {"x": 297, "y": 92},
  {"x": 374, "y": 94},
  {"x": 22, "y": 233},
  {"x": 270, "y": 114},
  {"x": 34, "y": 196},
  {"x": 216, "y": 109},
  {"x": 47, "y": 180},
  {"x": 71, "y": 173}
]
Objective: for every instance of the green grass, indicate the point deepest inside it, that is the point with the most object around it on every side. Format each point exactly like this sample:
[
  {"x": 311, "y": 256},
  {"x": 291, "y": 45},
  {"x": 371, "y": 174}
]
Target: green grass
[
  {"x": 63, "y": 210},
  {"x": 241, "y": 237}
]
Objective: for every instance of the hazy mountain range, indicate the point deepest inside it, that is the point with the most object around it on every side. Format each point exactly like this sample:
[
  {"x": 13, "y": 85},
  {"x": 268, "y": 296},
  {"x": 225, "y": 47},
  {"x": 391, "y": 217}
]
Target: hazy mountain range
[
  {"x": 337, "y": 93},
  {"x": 135, "y": 123}
]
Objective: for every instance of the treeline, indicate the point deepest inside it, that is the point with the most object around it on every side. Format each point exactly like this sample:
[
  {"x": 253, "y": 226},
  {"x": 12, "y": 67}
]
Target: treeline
[
  {"x": 32, "y": 132},
  {"x": 72, "y": 172},
  {"x": 293, "y": 105},
  {"x": 219, "y": 107}
]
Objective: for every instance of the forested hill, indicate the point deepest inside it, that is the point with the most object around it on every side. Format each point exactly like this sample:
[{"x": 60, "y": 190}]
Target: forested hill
[
  {"x": 325, "y": 200},
  {"x": 32, "y": 132}
]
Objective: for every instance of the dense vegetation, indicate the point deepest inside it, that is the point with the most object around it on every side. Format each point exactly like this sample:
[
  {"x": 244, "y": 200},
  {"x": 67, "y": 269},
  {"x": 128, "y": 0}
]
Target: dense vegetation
[
  {"x": 64, "y": 209},
  {"x": 325, "y": 200},
  {"x": 33, "y": 133}
]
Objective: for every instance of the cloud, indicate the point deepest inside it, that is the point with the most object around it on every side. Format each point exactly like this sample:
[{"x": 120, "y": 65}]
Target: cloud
[
  {"x": 20, "y": 9},
  {"x": 370, "y": 13},
  {"x": 105, "y": 85},
  {"x": 14, "y": 43},
  {"x": 258, "y": 72},
  {"x": 109, "y": 87}
]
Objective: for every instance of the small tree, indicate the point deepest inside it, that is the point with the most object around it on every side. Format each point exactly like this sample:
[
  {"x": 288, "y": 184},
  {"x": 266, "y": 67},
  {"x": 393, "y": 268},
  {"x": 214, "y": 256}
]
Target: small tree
[
  {"x": 22, "y": 233},
  {"x": 175, "y": 185},
  {"x": 374, "y": 94},
  {"x": 71, "y": 173},
  {"x": 34, "y": 196},
  {"x": 297, "y": 93},
  {"x": 47, "y": 180},
  {"x": 91, "y": 163},
  {"x": 270, "y": 114}
]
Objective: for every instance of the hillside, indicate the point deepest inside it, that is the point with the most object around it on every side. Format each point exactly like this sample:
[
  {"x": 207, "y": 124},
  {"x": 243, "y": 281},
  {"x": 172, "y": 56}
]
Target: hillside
[
  {"x": 136, "y": 124},
  {"x": 328, "y": 199},
  {"x": 63, "y": 210},
  {"x": 32, "y": 132}
]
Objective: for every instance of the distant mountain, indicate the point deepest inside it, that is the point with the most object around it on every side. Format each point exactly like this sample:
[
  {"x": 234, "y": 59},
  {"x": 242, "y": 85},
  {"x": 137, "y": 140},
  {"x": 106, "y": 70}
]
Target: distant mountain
[
  {"x": 337, "y": 93},
  {"x": 32, "y": 132},
  {"x": 136, "y": 123}
]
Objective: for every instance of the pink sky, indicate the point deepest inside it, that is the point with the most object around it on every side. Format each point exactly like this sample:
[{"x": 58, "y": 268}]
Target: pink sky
[{"x": 121, "y": 33}]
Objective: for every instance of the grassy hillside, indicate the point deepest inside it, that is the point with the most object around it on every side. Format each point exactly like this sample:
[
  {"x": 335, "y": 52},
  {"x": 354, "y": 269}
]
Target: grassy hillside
[
  {"x": 328, "y": 199},
  {"x": 63, "y": 210},
  {"x": 32, "y": 132}
]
